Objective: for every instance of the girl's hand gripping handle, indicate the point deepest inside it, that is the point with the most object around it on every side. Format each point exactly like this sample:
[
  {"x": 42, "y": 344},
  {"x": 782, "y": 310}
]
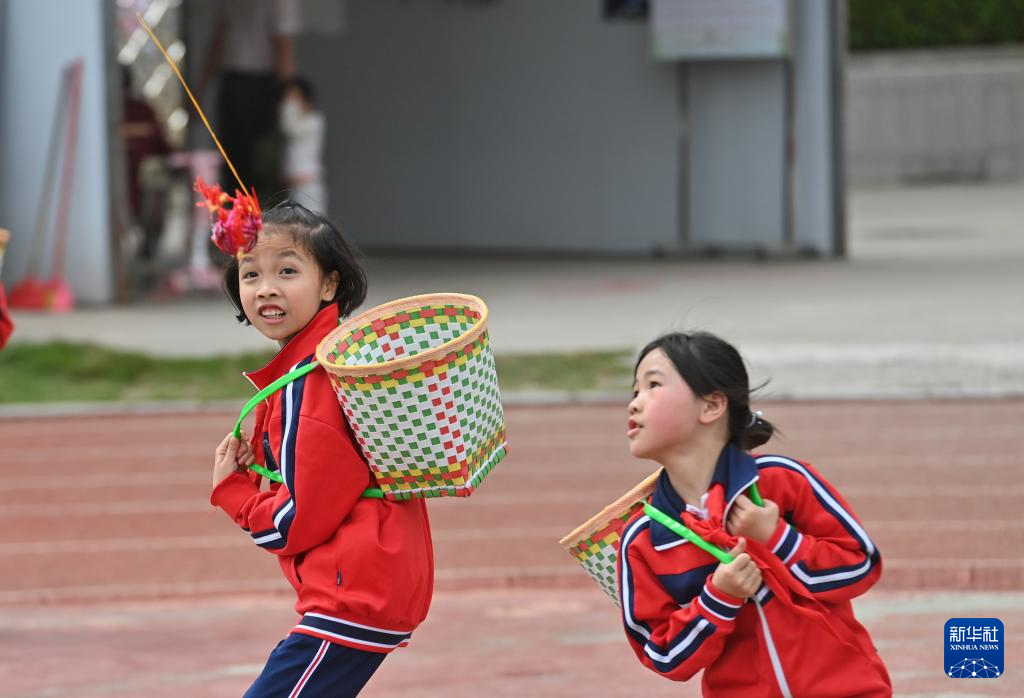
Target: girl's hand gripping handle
[
  {"x": 741, "y": 577},
  {"x": 260, "y": 397}
]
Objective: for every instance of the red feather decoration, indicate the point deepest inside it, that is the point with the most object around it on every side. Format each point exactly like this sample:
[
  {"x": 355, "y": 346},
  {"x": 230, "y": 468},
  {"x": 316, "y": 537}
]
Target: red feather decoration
[{"x": 235, "y": 229}]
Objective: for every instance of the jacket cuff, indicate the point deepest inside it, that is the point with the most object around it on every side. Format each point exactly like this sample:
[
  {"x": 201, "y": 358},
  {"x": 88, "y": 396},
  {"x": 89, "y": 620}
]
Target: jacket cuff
[
  {"x": 719, "y": 604},
  {"x": 785, "y": 541},
  {"x": 232, "y": 493}
]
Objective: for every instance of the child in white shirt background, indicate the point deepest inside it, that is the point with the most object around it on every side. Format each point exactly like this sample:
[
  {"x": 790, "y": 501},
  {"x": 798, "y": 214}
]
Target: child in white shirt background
[{"x": 303, "y": 127}]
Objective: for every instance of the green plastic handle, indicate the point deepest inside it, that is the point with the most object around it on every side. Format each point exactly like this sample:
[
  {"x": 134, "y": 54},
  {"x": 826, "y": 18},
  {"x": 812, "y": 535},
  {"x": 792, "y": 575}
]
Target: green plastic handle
[
  {"x": 265, "y": 472},
  {"x": 370, "y": 492},
  {"x": 260, "y": 397},
  {"x": 755, "y": 495},
  {"x": 269, "y": 390},
  {"x": 679, "y": 529}
]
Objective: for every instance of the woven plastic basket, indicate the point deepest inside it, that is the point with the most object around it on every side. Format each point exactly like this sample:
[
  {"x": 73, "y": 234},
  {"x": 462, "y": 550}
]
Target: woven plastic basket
[
  {"x": 595, "y": 544},
  {"x": 416, "y": 380}
]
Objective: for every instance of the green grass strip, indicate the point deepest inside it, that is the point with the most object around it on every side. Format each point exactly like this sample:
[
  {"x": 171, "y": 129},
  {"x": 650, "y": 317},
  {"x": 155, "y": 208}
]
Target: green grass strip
[
  {"x": 73, "y": 372},
  {"x": 79, "y": 372}
]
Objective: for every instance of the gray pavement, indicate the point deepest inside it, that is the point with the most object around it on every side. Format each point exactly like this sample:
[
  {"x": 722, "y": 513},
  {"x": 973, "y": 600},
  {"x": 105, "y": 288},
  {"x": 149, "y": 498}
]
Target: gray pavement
[{"x": 928, "y": 303}]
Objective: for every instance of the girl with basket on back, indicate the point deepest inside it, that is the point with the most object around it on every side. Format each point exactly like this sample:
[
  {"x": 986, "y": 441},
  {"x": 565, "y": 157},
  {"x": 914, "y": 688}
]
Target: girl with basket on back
[
  {"x": 362, "y": 568},
  {"x": 355, "y": 546},
  {"x": 777, "y": 619}
]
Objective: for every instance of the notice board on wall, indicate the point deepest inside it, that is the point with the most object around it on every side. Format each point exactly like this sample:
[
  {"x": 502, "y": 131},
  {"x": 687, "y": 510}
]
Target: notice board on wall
[{"x": 720, "y": 29}]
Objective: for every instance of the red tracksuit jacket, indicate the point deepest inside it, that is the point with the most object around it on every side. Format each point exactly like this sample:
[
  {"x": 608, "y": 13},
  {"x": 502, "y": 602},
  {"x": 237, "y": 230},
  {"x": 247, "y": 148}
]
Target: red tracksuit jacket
[
  {"x": 6, "y": 326},
  {"x": 363, "y": 569},
  {"x": 797, "y": 636}
]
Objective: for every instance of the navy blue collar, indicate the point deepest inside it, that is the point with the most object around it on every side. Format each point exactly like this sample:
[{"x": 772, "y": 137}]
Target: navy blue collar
[{"x": 736, "y": 470}]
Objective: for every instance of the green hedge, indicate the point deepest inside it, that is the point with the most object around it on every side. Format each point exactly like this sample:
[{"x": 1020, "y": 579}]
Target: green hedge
[{"x": 895, "y": 24}]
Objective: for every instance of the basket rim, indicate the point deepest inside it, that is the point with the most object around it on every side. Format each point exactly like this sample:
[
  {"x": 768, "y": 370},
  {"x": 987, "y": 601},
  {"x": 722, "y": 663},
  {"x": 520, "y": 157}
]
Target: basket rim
[
  {"x": 600, "y": 520},
  {"x": 349, "y": 325}
]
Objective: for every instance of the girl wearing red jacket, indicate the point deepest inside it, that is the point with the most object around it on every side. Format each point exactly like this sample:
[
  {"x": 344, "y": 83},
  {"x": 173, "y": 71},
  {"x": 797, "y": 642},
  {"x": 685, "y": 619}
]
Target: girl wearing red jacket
[
  {"x": 6, "y": 325},
  {"x": 777, "y": 620},
  {"x": 362, "y": 568}
]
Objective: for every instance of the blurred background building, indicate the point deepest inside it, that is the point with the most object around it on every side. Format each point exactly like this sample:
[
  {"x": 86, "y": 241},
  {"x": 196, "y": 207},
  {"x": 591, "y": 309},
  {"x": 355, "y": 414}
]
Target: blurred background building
[{"x": 583, "y": 127}]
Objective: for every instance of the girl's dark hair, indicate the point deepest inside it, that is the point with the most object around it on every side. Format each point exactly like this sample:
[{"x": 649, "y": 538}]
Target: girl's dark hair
[
  {"x": 709, "y": 365},
  {"x": 324, "y": 242}
]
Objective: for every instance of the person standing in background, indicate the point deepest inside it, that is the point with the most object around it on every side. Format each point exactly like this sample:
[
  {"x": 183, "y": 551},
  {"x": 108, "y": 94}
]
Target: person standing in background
[
  {"x": 252, "y": 48},
  {"x": 303, "y": 127},
  {"x": 143, "y": 138}
]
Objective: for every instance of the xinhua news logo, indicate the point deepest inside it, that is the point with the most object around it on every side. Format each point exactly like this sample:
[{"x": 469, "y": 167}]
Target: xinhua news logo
[{"x": 974, "y": 648}]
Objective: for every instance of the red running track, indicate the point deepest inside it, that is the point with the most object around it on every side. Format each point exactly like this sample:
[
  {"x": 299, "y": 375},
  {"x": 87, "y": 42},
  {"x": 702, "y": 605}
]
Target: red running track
[
  {"x": 117, "y": 575},
  {"x": 116, "y": 506}
]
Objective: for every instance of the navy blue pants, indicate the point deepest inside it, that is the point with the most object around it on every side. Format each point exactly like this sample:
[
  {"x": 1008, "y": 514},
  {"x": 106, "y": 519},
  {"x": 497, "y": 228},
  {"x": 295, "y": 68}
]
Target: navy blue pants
[{"x": 306, "y": 666}]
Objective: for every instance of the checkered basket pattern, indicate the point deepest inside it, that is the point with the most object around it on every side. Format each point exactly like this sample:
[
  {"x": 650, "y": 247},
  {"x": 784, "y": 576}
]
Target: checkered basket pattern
[
  {"x": 595, "y": 544},
  {"x": 417, "y": 382}
]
